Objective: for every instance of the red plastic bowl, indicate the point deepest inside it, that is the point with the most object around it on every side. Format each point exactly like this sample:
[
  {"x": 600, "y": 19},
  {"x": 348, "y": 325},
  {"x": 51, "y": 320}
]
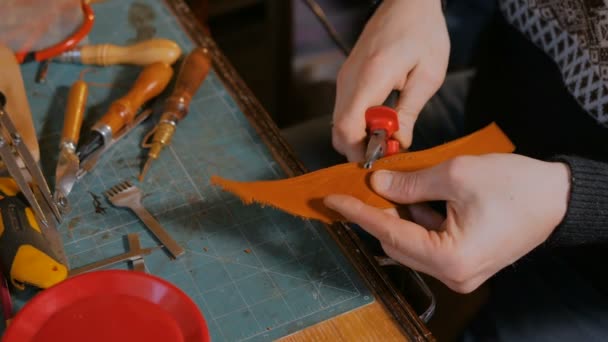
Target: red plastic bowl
[{"x": 113, "y": 305}]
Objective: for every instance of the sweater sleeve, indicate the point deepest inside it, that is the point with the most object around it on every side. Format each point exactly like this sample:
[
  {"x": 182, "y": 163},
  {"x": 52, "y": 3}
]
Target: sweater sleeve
[{"x": 586, "y": 219}]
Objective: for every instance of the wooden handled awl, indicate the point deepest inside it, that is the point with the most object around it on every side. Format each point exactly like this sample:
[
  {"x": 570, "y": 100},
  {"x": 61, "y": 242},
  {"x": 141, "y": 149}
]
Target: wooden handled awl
[
  {"x": 141, "y": 53},
  {"x": 150, "y": 83},
  {"x": 192, "y": 73},
  {"x": 68, "y": 163}
]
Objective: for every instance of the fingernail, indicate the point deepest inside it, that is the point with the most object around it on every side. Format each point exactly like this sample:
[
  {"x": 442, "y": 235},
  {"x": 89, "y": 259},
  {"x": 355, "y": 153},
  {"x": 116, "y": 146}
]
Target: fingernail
[{"x": 381, "y": 180}]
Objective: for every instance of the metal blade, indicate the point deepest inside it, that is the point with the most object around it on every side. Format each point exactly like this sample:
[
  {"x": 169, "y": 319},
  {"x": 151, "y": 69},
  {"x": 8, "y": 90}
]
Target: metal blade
[
  {"x": 31, "y": 183},
  {"x": 30, "y": 164},
  {"x": 376, "y": 148},
  {"x": 65, "y": 177},
  {"x": 13, "y": 169},
  {"x": 89, "y": 163}
]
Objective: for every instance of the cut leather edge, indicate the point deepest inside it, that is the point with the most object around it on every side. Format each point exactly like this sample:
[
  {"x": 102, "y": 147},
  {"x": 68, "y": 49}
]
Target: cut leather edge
[{"x": 475, "y": 143}]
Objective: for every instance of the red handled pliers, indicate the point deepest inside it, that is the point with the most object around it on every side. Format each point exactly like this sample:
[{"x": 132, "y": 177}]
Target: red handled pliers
[
  {"x": 66, "y": 44},
  {"x": 382, "y": 123}
]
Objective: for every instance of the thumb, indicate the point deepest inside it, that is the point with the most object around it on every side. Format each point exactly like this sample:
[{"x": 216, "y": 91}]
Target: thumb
[
  {"x": 408, "y": 237},
  {"x": 411, "y": 187}
]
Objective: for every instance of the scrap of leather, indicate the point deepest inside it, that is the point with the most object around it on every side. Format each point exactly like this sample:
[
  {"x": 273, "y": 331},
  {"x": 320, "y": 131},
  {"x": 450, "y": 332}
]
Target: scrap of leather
[
  {"x": 17, "y": 105},
  {"x": 303, "y": 195}
]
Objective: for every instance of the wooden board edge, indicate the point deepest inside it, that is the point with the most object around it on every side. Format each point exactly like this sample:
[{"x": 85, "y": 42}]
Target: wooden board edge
[{"x": 371, "y": 322}]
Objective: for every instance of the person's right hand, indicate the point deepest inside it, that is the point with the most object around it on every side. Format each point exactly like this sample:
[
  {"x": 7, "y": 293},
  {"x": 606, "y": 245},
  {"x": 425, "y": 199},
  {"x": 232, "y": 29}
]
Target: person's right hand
[
  {"x": 405, "y": 46},
  {"x": 499, "y": 208}
]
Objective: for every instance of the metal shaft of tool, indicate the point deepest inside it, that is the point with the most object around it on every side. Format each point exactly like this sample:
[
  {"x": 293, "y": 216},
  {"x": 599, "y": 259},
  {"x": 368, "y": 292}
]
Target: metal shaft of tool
[
  {"x": 138, "y": 263},
  {"x": 13, "y": 168},
  {"x": 135, "y": 252},
  {"x": 375, "y": 148},
  {"x": 107, "y": 262},
  {"x": 161, "y": 234},
  {"x": 28, "y": 160},
  {"x": 48, "y": 226},
  {"x": 12, "y": 147}
]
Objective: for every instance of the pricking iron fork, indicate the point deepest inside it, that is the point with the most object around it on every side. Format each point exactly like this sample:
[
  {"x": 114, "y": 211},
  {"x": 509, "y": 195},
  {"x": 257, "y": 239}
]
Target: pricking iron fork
[{"x": 127, "y": 195}]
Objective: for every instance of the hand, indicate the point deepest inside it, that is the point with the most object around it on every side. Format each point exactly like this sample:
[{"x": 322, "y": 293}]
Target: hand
[
  {"x": 499, "y": 208},
  {"x": 405, "y": 46}
]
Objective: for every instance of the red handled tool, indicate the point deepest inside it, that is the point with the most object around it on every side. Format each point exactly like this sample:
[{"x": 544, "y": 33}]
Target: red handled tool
[
  {"x": 66, "y": 44},
  {"x": 382, "y": 123}
]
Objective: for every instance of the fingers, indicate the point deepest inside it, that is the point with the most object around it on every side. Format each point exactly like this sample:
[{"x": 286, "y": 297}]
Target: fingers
[
  {"x": 437, "y": 253},
  {"x": 438, "y": 270},
  {"x": 422, "y": 84},
  {"x": 354, "y": 94},
  {"x": 447, "y": 181},
  {"x": 408, "y": 187},
  {"x": 406, "y": 236},
  {"x": 363, "y": 82}
]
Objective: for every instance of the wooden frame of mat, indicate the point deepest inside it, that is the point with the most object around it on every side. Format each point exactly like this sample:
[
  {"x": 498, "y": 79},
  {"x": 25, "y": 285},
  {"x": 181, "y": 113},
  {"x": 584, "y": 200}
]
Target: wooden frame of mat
[{"x": 349, "y": 242}]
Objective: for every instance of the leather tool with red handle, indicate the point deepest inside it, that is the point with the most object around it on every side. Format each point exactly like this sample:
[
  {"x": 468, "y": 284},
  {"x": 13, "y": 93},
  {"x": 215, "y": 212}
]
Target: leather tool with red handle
[{"x": 382, "y": 123}]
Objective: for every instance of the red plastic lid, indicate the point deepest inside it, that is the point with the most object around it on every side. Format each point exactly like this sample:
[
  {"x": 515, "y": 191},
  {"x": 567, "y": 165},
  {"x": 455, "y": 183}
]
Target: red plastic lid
[{"x": 113, "y": 305}]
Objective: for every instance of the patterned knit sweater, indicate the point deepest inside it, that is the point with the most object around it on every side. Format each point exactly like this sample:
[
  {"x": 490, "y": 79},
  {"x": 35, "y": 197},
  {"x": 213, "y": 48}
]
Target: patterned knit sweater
[{"x": 574, "y": 34}]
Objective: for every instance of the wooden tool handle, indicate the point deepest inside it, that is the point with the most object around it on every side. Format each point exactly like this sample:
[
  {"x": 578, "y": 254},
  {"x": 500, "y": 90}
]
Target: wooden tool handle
[
  {"x": 192, "y": 73},
  {"x": 142, "y": 53},
  {"x": 150, "y": 82},
  {"x": 74, "y": 112}
]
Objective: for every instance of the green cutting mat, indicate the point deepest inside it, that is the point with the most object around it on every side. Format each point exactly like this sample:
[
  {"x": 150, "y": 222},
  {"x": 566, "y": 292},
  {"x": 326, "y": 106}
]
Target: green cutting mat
[{"x": 256, "y": 273}]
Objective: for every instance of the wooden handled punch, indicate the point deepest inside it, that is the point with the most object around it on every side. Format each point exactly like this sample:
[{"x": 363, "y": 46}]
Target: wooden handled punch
[
  {"x": 193, "y": 71},
  {"x": 191, "y": 75},
  {"x": 141, "y": 53},
  {"x": 150, "y": 83}
]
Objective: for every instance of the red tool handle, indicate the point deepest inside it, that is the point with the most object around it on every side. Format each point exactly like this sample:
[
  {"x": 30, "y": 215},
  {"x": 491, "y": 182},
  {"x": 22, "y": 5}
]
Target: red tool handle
[
  {"x": 384, "y": 118},
  {"x": 66, "y": 44}
]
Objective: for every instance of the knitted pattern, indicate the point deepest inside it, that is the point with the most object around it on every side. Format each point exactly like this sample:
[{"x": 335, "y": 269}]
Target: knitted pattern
[
  {"x": 574, "y": 33},
  {"x": 586, "y": 220}
]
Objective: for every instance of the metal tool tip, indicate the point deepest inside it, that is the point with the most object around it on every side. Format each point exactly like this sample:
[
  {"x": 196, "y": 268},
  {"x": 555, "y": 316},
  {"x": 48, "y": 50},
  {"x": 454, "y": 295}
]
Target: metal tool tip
[
  {"x": 368, "y": 165},
  {"x": 62, "y": 203},
  {"x": 145, "y": 169}
]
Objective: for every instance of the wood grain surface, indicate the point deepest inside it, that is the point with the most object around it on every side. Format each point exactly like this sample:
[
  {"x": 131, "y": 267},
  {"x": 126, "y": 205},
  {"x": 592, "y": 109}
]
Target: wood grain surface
[{"x": 368, "y": 323}]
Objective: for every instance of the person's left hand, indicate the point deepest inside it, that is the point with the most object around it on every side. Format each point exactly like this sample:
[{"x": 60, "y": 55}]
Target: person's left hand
[{"x": 499, "y": 208}]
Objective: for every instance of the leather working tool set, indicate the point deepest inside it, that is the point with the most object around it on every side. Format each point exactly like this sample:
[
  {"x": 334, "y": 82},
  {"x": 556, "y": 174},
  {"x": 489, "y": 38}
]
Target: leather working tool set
[{"x": 31, "y": 249}]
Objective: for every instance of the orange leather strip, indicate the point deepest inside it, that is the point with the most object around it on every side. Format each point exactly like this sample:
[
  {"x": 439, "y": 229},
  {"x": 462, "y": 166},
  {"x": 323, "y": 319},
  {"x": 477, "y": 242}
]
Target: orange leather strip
[{"x": 303, "y": 195}]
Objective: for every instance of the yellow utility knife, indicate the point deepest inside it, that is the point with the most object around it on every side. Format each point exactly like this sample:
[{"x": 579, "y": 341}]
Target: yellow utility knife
[{"x": 26, "y": 255}]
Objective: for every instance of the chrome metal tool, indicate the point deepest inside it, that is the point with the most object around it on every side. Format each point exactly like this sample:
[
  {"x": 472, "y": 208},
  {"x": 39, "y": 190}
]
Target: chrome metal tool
[
  {"x": 127, "y": 195},
  {"x": 30, "y": 181},
  {"x": 381, "y": 123},
  {"x": 87, "y": 164},
  {"x": 135, "y": 255}
]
